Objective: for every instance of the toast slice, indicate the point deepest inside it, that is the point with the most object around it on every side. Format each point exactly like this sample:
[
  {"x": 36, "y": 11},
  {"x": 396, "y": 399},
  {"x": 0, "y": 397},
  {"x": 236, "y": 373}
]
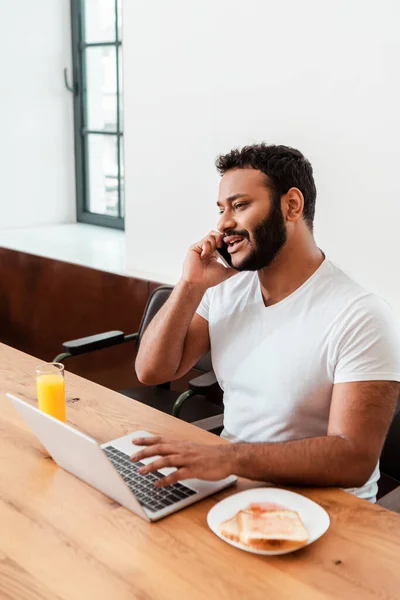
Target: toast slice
[
  {"x": 230, "y": 529},
  {"x": 266, "y": 528}
]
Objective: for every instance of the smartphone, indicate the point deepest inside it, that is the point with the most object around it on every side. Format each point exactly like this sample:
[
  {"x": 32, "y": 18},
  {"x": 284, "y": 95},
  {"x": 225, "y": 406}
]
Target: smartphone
[{"x": 224, "y": 254}]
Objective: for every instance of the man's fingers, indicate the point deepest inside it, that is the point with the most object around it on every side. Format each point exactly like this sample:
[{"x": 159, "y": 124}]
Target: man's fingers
[
  {"x": 218, "y": 238},
  {"x": 148, "y": 441},
  {"x": 172, "y": 460},
  {"x": 208, "y": 244},
  {"x": 155, "y": 450},
  {"x": 208, "y": 248},
  {"x": 211, "y": 243},
  {"x": 173, "y": 478}
]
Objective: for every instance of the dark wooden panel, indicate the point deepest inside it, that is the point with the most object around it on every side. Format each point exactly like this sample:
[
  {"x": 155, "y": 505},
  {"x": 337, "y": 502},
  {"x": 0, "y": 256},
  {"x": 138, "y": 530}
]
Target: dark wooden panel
[{"x": 45, "y": 302}]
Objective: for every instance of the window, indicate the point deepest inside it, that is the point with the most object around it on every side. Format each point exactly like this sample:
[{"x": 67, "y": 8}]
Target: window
[{"x": 97, "y": 62}]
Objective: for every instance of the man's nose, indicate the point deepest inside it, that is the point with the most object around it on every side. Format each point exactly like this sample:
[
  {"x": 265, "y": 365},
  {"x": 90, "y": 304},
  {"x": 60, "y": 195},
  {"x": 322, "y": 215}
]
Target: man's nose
[{"x": 226, "y": 222}]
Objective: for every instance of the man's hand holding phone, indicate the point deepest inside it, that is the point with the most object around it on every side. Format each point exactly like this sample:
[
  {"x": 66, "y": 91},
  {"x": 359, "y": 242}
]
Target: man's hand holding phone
[{"x": 201, "y": 266}]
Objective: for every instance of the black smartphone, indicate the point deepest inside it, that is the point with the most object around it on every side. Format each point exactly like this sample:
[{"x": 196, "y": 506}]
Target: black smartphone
[{"x": 224, "y": 254}]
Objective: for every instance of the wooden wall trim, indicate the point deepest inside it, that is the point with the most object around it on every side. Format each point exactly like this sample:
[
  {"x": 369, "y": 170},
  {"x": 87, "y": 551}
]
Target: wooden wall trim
[{"x": 44, "y": 302}]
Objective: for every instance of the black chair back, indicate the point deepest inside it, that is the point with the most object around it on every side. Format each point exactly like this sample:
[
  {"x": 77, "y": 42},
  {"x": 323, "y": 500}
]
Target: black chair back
[
  {"x": 156, "y": 300},
  {"x": 204, "y": 364},
  {"x": 390, "y": 457}
]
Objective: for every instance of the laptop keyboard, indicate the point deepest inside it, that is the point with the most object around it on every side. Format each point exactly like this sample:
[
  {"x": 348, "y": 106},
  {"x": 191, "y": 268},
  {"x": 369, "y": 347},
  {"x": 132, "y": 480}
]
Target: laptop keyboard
[{"x": 143, "y": 485}]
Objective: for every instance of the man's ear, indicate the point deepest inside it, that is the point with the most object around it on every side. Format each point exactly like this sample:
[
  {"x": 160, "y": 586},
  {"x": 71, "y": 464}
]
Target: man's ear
[{"x": 292, "y": 204}]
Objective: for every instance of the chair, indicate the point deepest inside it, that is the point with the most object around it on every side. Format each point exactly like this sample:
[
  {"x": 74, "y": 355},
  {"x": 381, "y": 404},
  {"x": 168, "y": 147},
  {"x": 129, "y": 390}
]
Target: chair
[
  {"x": 209, "y": 396},
  {"x": 390, "y": 463}
]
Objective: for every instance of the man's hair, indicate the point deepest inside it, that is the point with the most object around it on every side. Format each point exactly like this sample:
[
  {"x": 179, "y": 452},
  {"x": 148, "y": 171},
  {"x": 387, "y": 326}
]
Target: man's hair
[{"x": 284, "y": 167}]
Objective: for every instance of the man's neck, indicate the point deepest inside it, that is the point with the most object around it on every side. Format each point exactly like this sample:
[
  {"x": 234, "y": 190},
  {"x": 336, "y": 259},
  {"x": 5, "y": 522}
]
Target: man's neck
[{"x": 294, "y": 264}]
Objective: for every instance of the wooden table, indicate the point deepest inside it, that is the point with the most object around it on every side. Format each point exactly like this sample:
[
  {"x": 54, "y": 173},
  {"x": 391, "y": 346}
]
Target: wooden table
[{"x": 61, "y": 539}]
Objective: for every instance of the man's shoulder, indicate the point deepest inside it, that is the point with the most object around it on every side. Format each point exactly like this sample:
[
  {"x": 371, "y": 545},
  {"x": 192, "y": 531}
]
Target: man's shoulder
[
  {"x": 356, "y": 301},
  {"x": 239, "y": 283},
  {"x": 232, "y": 294},
  {"x": 339, "y": 277},
  {"x": 341, "y": 287}
]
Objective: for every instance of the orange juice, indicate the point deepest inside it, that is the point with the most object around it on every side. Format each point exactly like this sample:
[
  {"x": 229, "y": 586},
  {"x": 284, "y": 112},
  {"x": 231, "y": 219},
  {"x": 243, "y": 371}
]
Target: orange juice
[{"x": 51, "y": 394}]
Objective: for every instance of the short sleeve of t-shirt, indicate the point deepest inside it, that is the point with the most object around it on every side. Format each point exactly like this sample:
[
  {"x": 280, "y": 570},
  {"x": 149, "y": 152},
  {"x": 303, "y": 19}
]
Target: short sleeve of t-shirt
[
  {"x": 367, "y": 343},
  {"x": 204, "y": 307}
]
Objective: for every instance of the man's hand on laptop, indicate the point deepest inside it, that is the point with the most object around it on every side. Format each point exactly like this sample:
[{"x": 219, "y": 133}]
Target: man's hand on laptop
[
  {"x": 201, "y": 266},
  {"x": 192, "y": 461}
]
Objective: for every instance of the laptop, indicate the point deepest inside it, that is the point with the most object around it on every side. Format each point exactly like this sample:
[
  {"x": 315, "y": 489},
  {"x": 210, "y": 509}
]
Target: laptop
[{"x": 108, "y": 467}]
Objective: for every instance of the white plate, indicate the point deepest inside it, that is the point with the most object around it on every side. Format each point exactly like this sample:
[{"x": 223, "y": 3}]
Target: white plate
[{"x": 315, "y": 518}]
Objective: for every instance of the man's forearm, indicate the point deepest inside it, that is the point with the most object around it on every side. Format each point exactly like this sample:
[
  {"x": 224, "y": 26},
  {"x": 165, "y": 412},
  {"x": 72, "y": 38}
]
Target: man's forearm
[
  {"x": 162, "y": 344},
  {"x": 321, "y": 461}
]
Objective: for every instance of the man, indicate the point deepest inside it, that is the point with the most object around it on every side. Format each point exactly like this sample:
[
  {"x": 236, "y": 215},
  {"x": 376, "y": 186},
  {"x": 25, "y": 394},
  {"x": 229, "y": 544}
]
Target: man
[{"x": 308, "y": 360}]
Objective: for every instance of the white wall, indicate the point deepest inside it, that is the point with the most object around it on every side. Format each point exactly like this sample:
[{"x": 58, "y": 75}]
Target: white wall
[
  {"x": 36, "y": 112},
  {"x": 200, "y": 78}
]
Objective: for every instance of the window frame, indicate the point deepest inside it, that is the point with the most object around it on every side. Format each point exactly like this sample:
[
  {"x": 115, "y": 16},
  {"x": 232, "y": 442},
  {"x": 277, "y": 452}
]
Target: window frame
[{"x": 81, "y": 134}]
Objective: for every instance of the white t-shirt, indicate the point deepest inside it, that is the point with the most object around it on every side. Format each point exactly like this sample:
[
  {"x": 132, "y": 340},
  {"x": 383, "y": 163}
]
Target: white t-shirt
[{"x": 277, "y": 365}]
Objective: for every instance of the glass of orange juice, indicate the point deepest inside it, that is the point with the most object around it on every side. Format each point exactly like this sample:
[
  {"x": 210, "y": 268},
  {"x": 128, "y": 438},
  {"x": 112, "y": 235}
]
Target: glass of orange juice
[{"x": 50, "y": 388}]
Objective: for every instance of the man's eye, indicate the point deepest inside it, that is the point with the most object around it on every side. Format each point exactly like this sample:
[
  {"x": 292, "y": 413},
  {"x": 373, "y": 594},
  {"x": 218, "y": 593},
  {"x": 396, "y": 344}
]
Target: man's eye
[{"x": 239, "y": 205}]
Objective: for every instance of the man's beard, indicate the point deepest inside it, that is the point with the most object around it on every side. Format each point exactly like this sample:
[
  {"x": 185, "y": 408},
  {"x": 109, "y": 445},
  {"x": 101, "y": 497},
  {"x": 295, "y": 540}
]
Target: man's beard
[{"x": 268, "y": 238}]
